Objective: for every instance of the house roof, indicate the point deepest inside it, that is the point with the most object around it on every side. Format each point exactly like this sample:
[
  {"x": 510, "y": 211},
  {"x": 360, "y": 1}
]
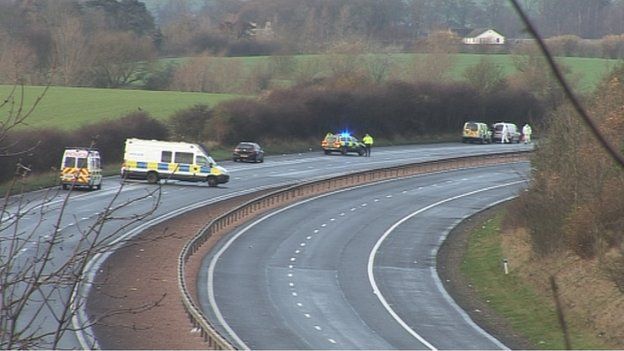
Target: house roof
[{"x": 479, "y": 31}]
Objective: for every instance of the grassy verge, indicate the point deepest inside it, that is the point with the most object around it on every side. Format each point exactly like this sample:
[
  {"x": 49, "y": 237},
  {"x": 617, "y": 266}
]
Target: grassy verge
[{"x": 529, "y": 313}]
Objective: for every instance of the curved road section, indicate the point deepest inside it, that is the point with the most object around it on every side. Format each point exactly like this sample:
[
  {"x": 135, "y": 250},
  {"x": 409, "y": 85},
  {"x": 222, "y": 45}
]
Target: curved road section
[
  {"x": 39, "y": 212},
  {"x": 353, "y": 269}
]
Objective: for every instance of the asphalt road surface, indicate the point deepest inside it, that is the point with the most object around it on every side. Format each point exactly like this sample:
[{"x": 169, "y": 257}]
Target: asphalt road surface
[
  {"x": 353, "y": 269},
  {"x": 73, "y": 213}
]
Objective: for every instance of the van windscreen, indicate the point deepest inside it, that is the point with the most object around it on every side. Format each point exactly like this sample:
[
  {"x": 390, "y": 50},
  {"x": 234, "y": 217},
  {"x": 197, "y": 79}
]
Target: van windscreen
[
  {"x": 82, "y": 162},
  {"x": 70, "y": 162},
  {"x": 472, "y": 126}
]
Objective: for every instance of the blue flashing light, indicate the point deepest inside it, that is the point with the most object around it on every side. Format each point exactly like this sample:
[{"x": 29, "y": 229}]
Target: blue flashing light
[{"x": 345, "y": 134}]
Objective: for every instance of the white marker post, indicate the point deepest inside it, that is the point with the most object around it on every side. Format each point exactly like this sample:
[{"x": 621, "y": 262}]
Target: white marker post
[{"x": 506, "y": 266}]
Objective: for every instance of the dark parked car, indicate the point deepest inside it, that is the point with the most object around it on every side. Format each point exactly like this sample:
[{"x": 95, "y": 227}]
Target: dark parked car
[{"x": 248, "y": 151}]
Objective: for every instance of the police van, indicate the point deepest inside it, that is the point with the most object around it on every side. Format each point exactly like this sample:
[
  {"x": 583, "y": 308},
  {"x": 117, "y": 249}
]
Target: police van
[
  {"x": 81, "y": 167},
  {"x": 476, "y": 131},
  {"x": 153, "y": 160}
]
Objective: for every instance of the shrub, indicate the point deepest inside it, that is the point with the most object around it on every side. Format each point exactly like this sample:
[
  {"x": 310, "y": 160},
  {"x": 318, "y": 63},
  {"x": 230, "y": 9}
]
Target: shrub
[
  {"x": 160, "y": 79},
  {"x": 189, "y": 124},
  {"x": 393, "y": 109},
  {"x": 564, "y": 45},
  {"x": 40, "y": 150}
]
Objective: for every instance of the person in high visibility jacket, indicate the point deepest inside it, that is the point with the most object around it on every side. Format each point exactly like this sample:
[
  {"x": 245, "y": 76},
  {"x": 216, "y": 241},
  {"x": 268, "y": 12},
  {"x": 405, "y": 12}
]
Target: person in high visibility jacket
[{"x": 368, "y": 142}]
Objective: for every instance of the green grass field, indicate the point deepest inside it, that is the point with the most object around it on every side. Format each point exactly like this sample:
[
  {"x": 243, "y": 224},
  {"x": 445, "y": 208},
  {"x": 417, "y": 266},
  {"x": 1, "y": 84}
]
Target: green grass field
[
  {"x": 529, "y": 313},
  {"x": 588, "y": 70},
  {"x": 70, "y": 108}
]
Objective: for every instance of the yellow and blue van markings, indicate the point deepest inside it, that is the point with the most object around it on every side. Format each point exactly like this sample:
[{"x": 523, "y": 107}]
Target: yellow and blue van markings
[{"x": 171, "y": 167}]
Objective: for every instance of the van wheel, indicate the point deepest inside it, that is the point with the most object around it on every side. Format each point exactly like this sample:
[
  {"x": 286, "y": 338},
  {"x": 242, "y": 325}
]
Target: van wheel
[
  {"x": 212, "y": 182},
  {"x": 65, "y": 187},
  {"x": 98, "y": 187},
  {"x": 327, "y": 152},
  {"x": 152, "y": 177},
  {"x": 343, "y": 151}
]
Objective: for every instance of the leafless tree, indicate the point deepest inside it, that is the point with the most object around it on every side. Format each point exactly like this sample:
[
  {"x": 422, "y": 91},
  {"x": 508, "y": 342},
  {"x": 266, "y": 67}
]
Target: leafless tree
[
  {"x": 42, "y": 263},
  {"x": 70, "y": 51},
  {"x": 116, "y": 58},
  {"x": 208, "y": 74}
]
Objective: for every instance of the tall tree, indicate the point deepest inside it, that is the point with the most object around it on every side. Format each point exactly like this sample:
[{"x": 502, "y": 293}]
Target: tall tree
[{"x": 125, "y": 15}]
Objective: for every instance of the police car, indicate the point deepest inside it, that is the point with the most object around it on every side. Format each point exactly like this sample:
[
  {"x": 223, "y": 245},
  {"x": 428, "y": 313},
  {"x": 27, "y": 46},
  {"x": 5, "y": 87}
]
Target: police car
[{"x": 342, "y": 143}]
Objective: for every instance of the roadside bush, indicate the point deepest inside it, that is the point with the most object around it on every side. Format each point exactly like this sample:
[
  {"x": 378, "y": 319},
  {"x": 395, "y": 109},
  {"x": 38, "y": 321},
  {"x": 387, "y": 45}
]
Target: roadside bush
[
  {"x": 189, "y": 124},
  {"x": 575, "y": 202},
  {"x": 110, "y": 135},
  {"x": 41, "y": 151},
  {"x": 394, "y": 109}
]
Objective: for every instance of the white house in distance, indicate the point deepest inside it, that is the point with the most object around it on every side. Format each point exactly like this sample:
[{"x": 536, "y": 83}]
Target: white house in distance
[{"x": 484, "y": 37}]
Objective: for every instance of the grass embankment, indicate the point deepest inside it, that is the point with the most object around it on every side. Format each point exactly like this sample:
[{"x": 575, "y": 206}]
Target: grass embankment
[
  {"x": 529, "y": 309},
  {"x": 70, "y": 108}
]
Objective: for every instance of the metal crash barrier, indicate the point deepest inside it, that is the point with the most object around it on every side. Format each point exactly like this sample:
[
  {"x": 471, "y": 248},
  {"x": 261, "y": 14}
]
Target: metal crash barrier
[{"x": 298, "y": 192}]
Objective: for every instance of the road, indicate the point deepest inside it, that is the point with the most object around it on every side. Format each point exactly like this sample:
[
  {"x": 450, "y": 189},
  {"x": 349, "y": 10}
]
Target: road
[
  {"x": 41, "y": 212},
  {"x": 353, "y": 269}
]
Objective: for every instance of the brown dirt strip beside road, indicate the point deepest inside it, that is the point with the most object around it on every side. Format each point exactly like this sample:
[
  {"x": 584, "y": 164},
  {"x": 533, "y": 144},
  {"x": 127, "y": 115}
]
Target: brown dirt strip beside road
[{"x": 137, "y": 287}]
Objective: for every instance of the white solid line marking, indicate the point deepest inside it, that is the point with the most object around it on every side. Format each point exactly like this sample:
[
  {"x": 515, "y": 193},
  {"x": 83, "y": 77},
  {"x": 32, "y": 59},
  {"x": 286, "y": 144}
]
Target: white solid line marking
[
  {"x": 211, "y": 267},
  {"x": 373, "y": 253}
]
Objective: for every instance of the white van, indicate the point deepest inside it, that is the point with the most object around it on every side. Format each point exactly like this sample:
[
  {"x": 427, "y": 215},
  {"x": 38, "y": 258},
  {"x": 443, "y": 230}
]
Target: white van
[
  {"x": 513, "y": 133},
  {"x": 153, "y": 160},
  {"x": 81, "y": 167}
]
